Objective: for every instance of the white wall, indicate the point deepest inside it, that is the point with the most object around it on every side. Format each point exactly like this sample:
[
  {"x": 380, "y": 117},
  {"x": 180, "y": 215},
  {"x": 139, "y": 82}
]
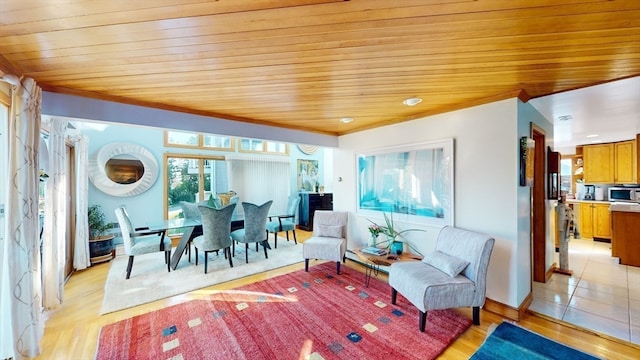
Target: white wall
[{"x": 486, "y": 182}]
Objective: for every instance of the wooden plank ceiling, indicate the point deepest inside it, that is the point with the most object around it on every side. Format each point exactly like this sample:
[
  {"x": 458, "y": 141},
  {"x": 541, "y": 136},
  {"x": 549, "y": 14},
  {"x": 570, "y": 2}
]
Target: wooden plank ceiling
[{"x": 306, "y": 64}]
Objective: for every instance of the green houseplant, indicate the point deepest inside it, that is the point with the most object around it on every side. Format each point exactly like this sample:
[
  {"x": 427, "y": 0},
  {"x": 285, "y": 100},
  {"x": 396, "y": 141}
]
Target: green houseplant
[
  {"x": 97, "y": 223},
  {"x": 100, "y": 243},
  {"x": 394, "y": 244}
]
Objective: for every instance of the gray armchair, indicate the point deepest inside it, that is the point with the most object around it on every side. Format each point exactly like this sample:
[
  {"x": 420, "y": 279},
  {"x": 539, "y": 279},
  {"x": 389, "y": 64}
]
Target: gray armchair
[
  {"x": 329, "y": 240},
  {"x": 216, "y": 232},
  {"x": 255, "y": 227},
  {"x": 141, "y": 241},
  {"x": 285, "y": 222},
  {"x": 452, "y": 276}
]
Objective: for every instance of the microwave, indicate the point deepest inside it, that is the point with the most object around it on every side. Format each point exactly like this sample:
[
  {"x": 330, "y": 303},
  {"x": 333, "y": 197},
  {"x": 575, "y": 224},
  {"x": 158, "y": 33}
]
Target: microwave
[{"x": 627, "y": 194}]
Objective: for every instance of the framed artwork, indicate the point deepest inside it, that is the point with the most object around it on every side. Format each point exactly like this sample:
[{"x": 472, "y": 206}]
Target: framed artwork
[
  {"x": 527, "y": 152},
  {"x": 308, "y": 175},
  {"x": 414, "y": 182}
]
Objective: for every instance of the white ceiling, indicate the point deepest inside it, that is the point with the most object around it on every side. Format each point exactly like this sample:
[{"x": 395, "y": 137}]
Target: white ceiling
[{"x": 610, "y": 110}]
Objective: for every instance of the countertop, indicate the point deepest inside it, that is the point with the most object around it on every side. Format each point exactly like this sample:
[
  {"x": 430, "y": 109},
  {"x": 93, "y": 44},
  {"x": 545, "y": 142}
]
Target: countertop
[
  {"x": 625, "y": 207},
  {"x": 613, "y": 206},
  {"x": 576, "y": 201}
]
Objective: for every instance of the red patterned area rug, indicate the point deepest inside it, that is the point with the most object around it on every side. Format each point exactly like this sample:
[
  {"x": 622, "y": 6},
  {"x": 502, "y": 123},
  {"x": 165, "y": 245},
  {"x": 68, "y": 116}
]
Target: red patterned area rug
[{"x": 314, "y": 315}]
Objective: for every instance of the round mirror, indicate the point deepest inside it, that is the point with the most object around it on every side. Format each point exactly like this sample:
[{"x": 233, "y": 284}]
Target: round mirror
[{"x": 123, "y": 169}]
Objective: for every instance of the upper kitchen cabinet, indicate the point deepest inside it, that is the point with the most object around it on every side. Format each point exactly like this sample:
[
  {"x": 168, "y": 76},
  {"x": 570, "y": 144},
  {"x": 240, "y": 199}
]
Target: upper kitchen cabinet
[
  {"x": 611, "y": 163},
  {"x": 599, "y": 163},
  {"x": 625, "y": 162}
]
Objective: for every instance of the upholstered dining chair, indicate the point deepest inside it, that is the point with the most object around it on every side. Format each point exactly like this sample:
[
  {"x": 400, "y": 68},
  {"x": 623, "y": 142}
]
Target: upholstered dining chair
[
  {"x": 285, "y": 222},
  {"x": 216, "y": 232},
  {"x": 255, "y": 227},
  {"x": 139, "y": 241},
  {"x": 329, "y": 240}
]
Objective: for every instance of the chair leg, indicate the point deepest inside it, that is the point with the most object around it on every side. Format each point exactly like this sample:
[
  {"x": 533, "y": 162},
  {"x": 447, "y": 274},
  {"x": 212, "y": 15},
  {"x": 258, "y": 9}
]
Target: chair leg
[
  {"x": 167, "y": 258},
  {"x": 394, "y": 296},
  {"x": 287, "y": 233},
  {"x": 338, "y": 267},
  {"x": 206, "y": 261},
  {"x": 476, "y": 315},
  {"x": 275, "y": 240},
  {"x": 306, "y": 265},
  {"x": 294, "y": 236},
  {"x": 129, "y": 266},
  {"x": 196, "y": 256},
  {"x": 225, "y": 255},
  {"x": 246, "y": 252},
  {"x": 265, "y": 249},
  {"x": 423, "y": 320}
]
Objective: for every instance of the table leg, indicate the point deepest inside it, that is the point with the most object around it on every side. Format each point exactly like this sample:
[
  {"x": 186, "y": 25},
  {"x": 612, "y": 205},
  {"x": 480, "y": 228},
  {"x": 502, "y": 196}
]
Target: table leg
[
  {"x": 187, "y": 235},
  {"x": 370, "y": 269}
]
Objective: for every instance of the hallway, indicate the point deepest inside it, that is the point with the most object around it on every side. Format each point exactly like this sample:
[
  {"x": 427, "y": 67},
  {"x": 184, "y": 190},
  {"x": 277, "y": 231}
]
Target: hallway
[{"x": 600, "y": 295}]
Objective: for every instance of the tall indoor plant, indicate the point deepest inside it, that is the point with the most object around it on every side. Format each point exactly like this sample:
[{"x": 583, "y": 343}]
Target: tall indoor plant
[{"x": 100, "y": 242}]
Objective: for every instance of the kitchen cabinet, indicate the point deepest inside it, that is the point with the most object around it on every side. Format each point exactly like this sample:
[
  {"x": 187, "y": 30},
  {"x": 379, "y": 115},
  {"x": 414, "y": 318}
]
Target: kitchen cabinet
[
  {"x": 611, "y": 163},
  {"x": 625, "y": 162},
  {"x": 599, "y": 165},
  {"x": 309, "y": 203},
  {"x": 595, "y": 220}
]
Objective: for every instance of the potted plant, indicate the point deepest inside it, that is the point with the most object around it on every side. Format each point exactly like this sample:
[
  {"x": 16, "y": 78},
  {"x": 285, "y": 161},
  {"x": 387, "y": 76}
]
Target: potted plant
[
  {"x": 100, "y": 243},
  {"x": 394, "y": 244}
]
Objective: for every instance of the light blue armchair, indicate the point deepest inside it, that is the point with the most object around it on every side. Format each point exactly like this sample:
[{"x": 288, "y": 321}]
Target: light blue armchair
[{"x": 285, "y": 222}]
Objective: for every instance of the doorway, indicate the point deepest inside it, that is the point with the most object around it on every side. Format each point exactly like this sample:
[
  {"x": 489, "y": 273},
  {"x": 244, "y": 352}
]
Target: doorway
[{"x": 538, "y": 208}]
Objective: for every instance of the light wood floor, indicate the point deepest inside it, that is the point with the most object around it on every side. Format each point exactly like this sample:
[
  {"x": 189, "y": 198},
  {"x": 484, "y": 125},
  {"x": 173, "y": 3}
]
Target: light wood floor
[{"x": 72, "y": 330}]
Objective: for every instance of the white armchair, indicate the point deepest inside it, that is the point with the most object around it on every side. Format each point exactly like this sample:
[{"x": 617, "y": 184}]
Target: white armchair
[
  {"x": 452, "y": 276},
  {"x": 329, "y": 241}
]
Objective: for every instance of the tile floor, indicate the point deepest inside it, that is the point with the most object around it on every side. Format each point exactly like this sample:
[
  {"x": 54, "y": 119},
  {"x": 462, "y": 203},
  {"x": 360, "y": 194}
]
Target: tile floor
[{"x": 600, "y": 295}]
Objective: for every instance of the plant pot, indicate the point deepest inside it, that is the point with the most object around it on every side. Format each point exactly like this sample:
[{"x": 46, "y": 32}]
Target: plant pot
[
  {"x": 100, "y": 249},
  {"x": 396, "y": 247}
]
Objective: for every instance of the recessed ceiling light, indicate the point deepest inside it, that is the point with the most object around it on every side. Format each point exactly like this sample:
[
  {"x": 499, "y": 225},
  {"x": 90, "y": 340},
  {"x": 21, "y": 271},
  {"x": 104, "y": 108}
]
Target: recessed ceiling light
[
  {"x": 412, "y": 101},
  {"x": 592, "y": 135},
  {"x": 346, "y": 120}
]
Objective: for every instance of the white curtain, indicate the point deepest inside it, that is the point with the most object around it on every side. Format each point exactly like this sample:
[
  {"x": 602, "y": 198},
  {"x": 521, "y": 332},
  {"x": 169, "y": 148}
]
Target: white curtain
[
  {"x": 259, "y": 179},
  {"x": 54, "y": 234},
  {"x": 81, "y": 259},
  {"x": 20, "y": 252}
]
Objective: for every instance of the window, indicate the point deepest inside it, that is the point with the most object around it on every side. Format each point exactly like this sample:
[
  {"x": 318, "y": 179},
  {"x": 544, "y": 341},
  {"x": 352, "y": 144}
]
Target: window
[
  {"x": 195, "y": 140},
  {"x": 192, "y": 178},
  {"x": 263, "y": 146}
]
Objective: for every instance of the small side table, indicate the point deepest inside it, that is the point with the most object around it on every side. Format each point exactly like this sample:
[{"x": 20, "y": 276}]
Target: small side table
[{"x": 372, "y": 263}]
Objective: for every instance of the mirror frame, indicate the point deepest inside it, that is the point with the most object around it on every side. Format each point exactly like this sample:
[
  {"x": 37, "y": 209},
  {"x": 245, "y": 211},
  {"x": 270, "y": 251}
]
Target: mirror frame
[{"x": 98, "y": 174}]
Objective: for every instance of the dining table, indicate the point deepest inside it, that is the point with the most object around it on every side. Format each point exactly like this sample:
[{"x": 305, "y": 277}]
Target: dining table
[{"x": 191, "y": 228}]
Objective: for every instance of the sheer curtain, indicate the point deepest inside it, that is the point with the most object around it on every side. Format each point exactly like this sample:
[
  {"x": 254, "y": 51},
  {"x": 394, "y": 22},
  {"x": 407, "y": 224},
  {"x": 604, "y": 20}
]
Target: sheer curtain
[
  {"x": 54, "y": 234},
  {"x": 20, "y": 252},
  {"x": 81, "y": 259},
  {"x": 259, "y": 179}
]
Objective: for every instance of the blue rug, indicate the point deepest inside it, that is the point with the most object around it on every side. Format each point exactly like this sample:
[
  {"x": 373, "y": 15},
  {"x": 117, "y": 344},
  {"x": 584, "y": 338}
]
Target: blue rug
[{"x": 512, "y": 342}]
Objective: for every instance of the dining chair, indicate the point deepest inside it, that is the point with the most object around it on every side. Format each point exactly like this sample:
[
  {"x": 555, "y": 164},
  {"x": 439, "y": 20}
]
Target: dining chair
[
  {"x": 138, "y": 241},
  {"x": 255, "y": 227},
  {"x": 216, "y": 232},
  {"x": 285, "y": 222},
  {"x": 190, "y": 211}
]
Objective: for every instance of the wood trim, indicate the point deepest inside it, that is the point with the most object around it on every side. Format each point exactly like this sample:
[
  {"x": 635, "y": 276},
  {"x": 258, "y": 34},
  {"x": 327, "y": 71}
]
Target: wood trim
[
  {"x": 507, "y": 311},
  {"x": 550, "y": 271}
]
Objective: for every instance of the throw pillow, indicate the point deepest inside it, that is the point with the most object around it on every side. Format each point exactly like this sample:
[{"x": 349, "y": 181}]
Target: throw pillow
[
  {"x": 334, "y": 231},
  {"x": 446, "y": 263}
]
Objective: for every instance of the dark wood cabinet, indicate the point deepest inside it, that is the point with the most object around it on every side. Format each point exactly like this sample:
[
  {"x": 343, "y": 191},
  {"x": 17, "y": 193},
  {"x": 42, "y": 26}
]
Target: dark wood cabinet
[{"x": 309, "y": 203}]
